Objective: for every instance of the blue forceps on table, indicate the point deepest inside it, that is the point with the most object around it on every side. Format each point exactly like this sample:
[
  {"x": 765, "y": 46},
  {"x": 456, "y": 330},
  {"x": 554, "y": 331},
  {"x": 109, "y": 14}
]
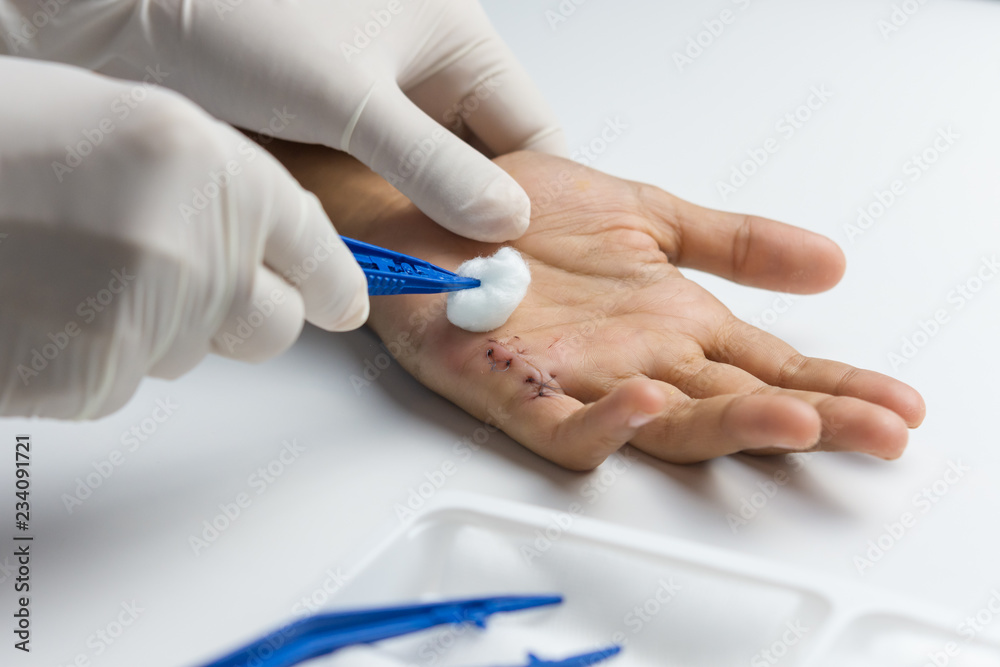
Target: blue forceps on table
[
  {"x": 320, "y": 634},
  {"x": 391, "y": 272}
]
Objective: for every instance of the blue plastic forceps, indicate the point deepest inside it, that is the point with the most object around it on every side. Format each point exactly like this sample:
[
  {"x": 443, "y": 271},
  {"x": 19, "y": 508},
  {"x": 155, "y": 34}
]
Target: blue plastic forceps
[
  {"x": 391, "y": 272},
  {"x": 320, "y": 634}
]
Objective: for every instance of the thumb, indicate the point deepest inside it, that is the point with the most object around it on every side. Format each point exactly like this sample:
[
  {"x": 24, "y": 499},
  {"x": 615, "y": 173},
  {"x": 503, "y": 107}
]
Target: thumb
[{"x": 455, "y": 185}]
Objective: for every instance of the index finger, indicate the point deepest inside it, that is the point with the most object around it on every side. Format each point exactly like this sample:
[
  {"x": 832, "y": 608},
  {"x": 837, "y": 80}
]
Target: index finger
[
  {"x": 746, "y": 249},
  {"x": 779, "y": 364}
]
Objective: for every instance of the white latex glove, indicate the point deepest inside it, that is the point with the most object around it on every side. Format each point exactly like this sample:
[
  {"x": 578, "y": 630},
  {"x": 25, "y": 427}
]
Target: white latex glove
[
  {"x": 137, "y": 234},
  {"x": 374, "y": 78}
]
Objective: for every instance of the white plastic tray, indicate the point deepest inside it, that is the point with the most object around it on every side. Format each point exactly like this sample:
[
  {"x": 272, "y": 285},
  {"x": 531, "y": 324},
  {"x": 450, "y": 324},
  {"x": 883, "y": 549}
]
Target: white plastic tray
[{"x": 667, "y": 601}]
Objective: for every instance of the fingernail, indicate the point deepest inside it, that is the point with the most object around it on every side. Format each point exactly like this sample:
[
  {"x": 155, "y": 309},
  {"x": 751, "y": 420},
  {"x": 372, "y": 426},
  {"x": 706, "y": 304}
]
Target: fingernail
[{"x": 640, "y": 419}]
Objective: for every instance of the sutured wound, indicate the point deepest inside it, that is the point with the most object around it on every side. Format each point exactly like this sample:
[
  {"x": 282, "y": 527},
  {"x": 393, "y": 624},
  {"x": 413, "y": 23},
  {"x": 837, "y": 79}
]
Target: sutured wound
[{"x": 501, "y": 359}]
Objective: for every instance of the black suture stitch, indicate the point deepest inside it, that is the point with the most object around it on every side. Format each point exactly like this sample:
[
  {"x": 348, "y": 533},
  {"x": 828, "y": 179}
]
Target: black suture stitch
[
  {"x": 542, "y": 386},
  {"x": 493, "y": 363}
]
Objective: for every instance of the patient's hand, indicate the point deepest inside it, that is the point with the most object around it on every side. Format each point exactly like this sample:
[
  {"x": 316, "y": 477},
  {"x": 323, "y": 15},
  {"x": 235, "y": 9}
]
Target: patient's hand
[{"x": 612, "y": 343}]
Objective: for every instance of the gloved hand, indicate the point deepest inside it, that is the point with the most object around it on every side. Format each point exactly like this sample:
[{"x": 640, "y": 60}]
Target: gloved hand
[
  {"x": 374, "y": 78},
  {"x": 137, "y": 234}
]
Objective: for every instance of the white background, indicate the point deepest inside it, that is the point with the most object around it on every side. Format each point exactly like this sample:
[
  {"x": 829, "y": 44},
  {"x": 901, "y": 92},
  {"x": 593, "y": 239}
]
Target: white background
[{"x": 686, "y": 129}]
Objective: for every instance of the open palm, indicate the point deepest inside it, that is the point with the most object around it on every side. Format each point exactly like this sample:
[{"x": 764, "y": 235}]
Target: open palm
[{"x": 614, "y": 345}]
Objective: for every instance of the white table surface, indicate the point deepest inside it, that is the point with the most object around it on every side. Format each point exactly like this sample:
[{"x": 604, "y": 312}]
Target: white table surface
[{"x": 685, "y": 130}]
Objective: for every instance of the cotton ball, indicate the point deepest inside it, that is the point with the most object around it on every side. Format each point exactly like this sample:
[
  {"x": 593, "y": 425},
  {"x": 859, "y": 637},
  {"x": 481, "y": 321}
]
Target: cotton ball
[{"x": 504, "y": 277}]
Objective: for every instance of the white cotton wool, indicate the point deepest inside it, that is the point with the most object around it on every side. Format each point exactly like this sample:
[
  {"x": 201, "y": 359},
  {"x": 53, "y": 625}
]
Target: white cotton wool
[{"x": 504, "y": 277}]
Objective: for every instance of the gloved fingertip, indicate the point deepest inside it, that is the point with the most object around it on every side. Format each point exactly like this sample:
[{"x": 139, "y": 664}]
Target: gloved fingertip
[
  {"x": 502, "y": 212},
  {"x": 347, "y": 306},
  {"x": 356, "y": 314}
]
